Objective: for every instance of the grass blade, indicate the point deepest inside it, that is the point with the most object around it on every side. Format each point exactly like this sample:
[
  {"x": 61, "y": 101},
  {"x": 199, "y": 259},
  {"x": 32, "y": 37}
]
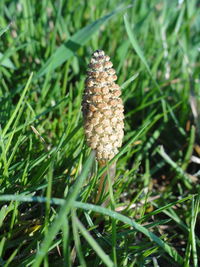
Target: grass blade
[
  {"x": 167, "y": 248},
  {"x": 139, "y": 52},
  {"x": 18, "y": 106},
  {"x": 67, "y": 205},
  {"x": 105, "y": 258},
  {"x": 97, "y": 209},
  {"x": 67, "y": 50}
]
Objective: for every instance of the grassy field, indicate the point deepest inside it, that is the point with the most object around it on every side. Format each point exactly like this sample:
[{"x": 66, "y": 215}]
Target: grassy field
[{"x": 48, "y": 175}]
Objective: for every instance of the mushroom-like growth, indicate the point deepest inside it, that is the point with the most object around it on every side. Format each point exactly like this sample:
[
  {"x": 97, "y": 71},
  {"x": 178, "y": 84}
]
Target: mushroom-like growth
[{"x": 102, "y": 108}]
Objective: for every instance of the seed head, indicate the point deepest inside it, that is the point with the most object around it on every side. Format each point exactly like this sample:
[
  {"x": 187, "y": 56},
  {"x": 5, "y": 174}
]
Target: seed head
[{"x": 102, "y": 108}]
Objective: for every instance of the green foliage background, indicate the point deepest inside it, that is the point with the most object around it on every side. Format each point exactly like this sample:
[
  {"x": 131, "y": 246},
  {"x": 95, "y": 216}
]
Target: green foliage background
[{"x": 48, "y": 176}]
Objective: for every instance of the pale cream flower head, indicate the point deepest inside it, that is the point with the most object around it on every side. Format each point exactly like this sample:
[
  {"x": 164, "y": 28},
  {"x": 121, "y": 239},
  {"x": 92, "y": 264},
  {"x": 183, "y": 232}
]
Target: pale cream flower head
[{"x": 102, "y": 108}]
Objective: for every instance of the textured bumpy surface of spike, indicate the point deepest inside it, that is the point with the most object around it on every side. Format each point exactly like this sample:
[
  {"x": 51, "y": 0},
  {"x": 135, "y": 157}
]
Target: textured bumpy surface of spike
[{"x": 102, "y": 108}]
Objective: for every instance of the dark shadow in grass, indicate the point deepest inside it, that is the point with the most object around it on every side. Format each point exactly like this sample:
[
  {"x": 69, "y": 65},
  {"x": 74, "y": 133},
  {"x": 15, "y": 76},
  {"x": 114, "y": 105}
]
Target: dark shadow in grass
[{"x": 73, "y": 46}]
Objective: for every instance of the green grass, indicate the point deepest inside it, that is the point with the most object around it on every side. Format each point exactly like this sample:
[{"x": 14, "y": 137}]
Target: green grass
[{"x": 48, "y": 175}]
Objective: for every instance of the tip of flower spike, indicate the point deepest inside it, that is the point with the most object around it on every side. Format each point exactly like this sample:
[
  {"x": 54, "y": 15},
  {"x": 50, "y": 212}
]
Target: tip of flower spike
[{"x": 98, "y": 53}]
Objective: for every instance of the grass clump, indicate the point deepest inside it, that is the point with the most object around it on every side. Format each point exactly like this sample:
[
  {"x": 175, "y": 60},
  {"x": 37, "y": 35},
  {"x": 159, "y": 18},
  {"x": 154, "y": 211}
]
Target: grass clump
[{"x": 48, "y": 177}]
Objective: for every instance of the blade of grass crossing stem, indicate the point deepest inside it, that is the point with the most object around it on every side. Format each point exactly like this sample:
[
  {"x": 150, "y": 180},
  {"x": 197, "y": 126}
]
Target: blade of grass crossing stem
[
  {"x": 139, "y": 52},
  {"x": 104, "y": 257},
  {"x": 18, "y": 105},
  {"x": 65, "y": 209},
  {"x": 97, "y": 209},
  {"x": 67, "y": 50},
  {"x": 58, "y": 201}
]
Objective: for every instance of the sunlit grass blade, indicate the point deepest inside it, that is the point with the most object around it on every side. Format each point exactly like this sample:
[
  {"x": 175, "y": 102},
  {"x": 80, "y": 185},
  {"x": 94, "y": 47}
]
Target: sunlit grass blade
[
  {"x": 2, "y": 31},
  {"x": 6, "y": 62},
  {"x": 77, "y": 239},
  {"x": 135, "y": 45},
  {"x": 20, "y": 102},
  {"x": 104, "y": 257},
  {"x": 139, "y": 52}
]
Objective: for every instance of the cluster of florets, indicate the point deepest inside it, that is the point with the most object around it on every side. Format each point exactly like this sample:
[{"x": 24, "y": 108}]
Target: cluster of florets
[{"x": 102, "y": 108}]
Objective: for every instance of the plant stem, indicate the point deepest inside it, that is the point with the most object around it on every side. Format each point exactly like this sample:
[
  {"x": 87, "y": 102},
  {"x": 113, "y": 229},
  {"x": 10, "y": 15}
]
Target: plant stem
[{"x": 103, "y": 183}]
